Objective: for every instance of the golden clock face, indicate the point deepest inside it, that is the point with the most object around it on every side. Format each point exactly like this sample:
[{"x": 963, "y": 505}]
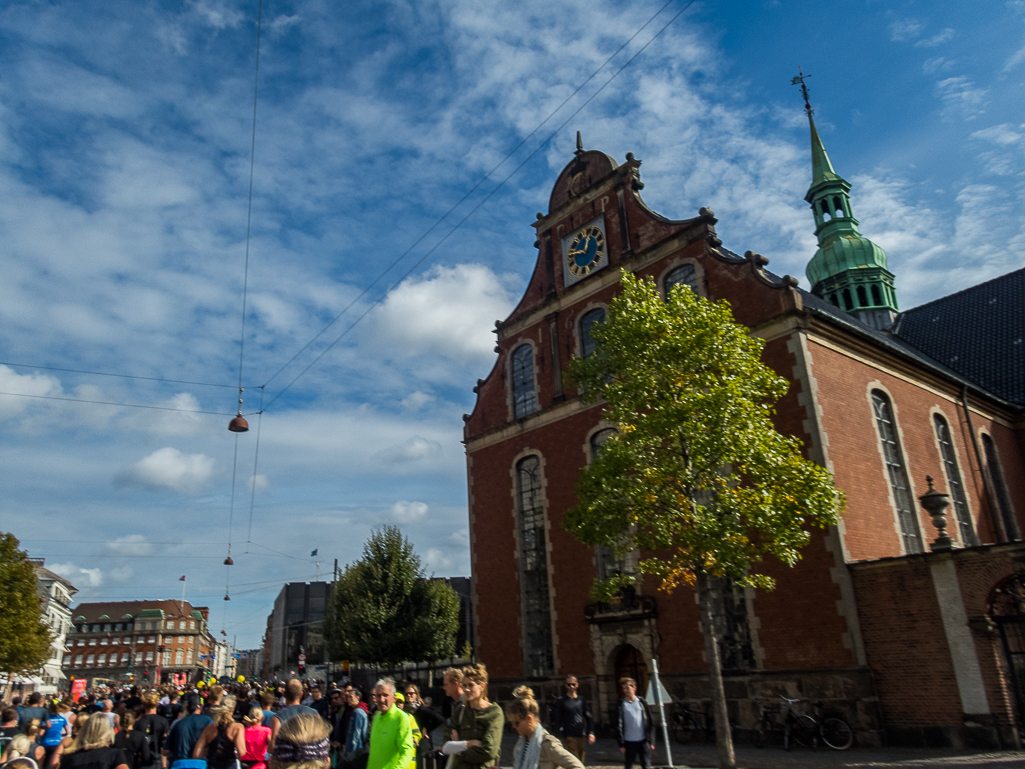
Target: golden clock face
[{"x": 586, "y": 251}]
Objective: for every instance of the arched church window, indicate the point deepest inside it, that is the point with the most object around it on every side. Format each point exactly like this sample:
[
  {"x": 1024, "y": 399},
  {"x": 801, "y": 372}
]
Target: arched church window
[
  {"x": 896, "y": 469},
  {"x": 954, "y": 484},
  {"x": 877, "y": 300},
  {"x": 598, "y": 440},
  {"x": 833, "y": 300},
  {"x": 848, "y": 304},
  {"x": 524, "y": 396},
  {"x": 609, "y": 562},
  {"x": 537, "y": 620},
  {"x": 587, "y": 344},
  {"x": 685, "y": 274},
  {"x": 996, "y": 476},
  {"x": 838, "y": 206},
  {"x": 826, "y": 213},
  {"x": 862, "y": 297}
]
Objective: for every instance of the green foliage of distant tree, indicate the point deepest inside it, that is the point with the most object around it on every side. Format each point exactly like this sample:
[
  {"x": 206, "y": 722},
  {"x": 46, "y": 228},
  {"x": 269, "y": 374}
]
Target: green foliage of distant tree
[
  {"x": 24, "y": 636},
  {"x": 386, "y": 611},
  {"x": 697, "y": 478}
]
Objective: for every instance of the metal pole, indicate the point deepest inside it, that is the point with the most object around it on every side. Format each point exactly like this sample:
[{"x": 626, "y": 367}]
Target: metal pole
[{"x": 661, "y": 711}]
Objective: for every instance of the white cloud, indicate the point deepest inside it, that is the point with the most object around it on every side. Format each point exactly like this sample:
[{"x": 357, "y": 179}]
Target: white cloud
[
  {"x": 941, "y": 37},
  {"x": 413, "y": 450},
  {"x": 436, "y": 560},
  {"x": 416, "y": 401},
  {"x": 903, "y": 30},
  {"x": 408, "y": 512},
  {"x": 961, "y": 95},
  {"x": 171, "y": 469},
  {"x": 258, "y": 482},
  {"x": 938, "y": 64},
  {"x": 78, "y": 576},
  {"x": 24, "y": 384},
  {"x": 132, "y": 544},
  {"x": 448, "y": 311},
  {"x": 1003, "y": 134},
  {"x": 461, "y": 537}
]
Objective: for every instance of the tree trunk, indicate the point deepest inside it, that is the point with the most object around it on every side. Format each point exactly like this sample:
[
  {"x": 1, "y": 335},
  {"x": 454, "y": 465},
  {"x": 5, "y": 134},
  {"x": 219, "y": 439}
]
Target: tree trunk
[{"x": 723, "y": 738}]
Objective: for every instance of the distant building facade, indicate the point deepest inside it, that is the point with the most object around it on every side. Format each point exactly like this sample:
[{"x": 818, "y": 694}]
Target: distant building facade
[
  {"x": 297, "y": 626},
  {"x": 55, "y": 594},
  {"x": 139, "y": 641}
]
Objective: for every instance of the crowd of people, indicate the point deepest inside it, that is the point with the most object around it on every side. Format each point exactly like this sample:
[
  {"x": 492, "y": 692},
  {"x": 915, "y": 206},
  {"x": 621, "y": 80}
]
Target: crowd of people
[{"x": 295, "y": 726}]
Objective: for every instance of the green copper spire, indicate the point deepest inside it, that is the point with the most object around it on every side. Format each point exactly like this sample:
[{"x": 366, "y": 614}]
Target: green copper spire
[{"x": 848, "y": 270}]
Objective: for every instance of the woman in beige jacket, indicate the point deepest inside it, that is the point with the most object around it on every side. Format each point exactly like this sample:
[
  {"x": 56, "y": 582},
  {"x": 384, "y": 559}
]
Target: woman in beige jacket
[{"x": 536, "y": 748}]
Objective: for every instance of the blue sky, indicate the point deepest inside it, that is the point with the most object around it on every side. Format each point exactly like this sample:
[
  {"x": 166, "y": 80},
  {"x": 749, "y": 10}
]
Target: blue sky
[{"x": 124, "y": 172}]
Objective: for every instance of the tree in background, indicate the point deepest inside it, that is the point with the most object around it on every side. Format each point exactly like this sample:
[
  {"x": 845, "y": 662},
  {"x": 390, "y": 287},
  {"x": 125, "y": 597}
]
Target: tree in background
[
  {"x": 697, "y": 479},
  {"x": 24, "y": 637},
  {"x": 385, "y": 611}
]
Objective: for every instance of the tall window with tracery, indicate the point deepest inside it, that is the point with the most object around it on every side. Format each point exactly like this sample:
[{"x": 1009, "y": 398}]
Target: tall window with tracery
[
  {"x": 897, "y": 472},
  {"x": 954, "y": 484},
  {"x": 587, "y": 344},
  {"x": 609, "y": 563},
  {"x": 685, "y": 274},
  {"x": 537, "y": 619},
  {"x": 524, "y": 396},
  {"x": 734, "y": 629},
  {"x": 996, "y": 476}
]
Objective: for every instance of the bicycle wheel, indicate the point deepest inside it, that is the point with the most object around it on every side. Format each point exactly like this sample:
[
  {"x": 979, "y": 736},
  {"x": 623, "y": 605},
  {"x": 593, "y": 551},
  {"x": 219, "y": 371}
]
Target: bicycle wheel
[
  {"x": 684, "y": 732},
  {"x": 804, "y": 731},
  {"x": 837, "y": 733}
]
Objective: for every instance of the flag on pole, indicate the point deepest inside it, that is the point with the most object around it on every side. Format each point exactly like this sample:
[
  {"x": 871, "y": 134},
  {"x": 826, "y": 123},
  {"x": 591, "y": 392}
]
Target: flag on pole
[
  {"x": 314, "y": 552},
  {"x": 181, "y": 578}
]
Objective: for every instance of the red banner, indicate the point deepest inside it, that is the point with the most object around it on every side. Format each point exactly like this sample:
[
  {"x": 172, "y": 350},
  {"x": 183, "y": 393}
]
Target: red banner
[{"x": 77, "y": 688}]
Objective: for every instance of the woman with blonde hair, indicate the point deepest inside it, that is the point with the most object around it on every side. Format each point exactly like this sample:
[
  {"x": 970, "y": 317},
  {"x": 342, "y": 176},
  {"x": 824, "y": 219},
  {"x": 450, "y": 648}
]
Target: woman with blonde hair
[
  {"x": 477, "y": 726},
  {"x": 24, "y": 747},
  {"x": 92, "y": 748},
  {"x": 223, "y": 741},
  {"x": 302, "y": 743},
  {"x": 257, "y": 738},
  {"x": 80, "y": 720},
  {"x": 536, "y": 748}
]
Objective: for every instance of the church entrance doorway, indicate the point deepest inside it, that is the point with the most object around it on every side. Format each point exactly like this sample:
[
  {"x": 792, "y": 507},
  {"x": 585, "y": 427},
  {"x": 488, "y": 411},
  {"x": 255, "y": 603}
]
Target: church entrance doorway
[{"x": 628, "y": 662}]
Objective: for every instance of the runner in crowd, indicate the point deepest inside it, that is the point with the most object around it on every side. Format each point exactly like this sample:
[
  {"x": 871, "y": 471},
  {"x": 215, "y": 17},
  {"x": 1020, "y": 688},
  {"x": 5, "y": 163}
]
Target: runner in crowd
[
  {"x": 134, "y": 744},
  {"x": 92, "y": 748},
  {"x": 222, "y": 742},
  {"x": 185, "y": 733},
  {"x": 257, "y": 740},
  {"x": 302, "y": 742},
  {"x": 9, "y": 728},
  {"x": 293, "y": 696}
]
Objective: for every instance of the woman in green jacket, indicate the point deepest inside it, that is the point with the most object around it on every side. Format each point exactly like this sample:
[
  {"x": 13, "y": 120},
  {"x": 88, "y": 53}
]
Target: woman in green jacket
[{"x": 476, "y": 724}]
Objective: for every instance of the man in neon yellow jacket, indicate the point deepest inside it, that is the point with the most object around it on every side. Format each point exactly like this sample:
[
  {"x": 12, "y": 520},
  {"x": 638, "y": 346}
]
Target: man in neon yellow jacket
[{"x": 391, "y": 734}]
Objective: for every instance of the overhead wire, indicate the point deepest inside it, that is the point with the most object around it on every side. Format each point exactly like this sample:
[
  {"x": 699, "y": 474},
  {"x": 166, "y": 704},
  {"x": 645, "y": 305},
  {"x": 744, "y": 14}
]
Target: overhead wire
[
  {"x": 484, "y": 200},
  {"x": 256, "y": 464},
  {"x": 111, "y": 374},
  {"x": 116, "y": 403},
  {"x": 469, "y": 192}
]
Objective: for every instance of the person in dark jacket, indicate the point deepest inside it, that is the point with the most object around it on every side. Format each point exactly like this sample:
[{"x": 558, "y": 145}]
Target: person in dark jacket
[
  {"x": 635, "y": 730},
  {"x": 570, "y": 720},
  {"x": 134, "y": 744}
]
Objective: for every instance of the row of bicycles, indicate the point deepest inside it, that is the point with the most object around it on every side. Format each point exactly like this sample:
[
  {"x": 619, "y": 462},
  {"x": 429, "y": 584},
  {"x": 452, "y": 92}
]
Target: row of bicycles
[{"x": 778, "y": 723}]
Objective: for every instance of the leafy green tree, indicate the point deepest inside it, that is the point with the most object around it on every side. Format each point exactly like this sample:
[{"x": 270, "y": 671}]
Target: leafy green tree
[
  {"x": 24, "y": 637},
  {"x": 697, "y": 478},
  {"x": 386, "y": 611}
]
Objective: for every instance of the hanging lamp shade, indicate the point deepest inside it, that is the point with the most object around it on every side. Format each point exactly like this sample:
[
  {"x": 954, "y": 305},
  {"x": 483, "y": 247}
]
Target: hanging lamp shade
[
  {"x": 227, "y": 597},
  {"x": 228, "y": 561},
  {"x": 238, "y": 424}
]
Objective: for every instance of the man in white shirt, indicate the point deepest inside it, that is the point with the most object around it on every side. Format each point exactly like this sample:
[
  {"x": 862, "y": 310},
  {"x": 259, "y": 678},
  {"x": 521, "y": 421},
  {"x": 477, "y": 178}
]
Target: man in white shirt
[{"x": 635, "y": 729}]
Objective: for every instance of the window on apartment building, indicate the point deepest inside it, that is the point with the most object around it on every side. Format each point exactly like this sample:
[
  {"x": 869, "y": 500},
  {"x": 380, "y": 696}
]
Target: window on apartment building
[
  {"x": 954, "y": 484},
  {"x": 178, "y": 657},
  {"x": 170, "y": 624},
  {"x": 534, "y": 565},
  {"x": 124, "y": 658},
  {"x": 996, "y": 477},
  {"x": 685, "y": 274},
  {"x": 149, "y": 656},
  {"x": 101, "y": 660},
  {"x": 96, "y": 629},
  {"x": 126, "y": 640},
  {"x": 188, "y": 657},
  {"x": 192, "y": 625},
  {"x": 92, "y": 642},
  {"x": 89, "y": 659},
  {"x": 897, "y": 472},
  {"x": 104, "y": 642},
  {"x": 524, "y": 397},
  {"x": 181, "y": 639},
  {"x": 167, "y": 658},
  {"x": 107, "y": 627},
  {"x": 587, "y": 344},
  {"x": 78, "y": 660},
  {"x": 152, "y": 639}
]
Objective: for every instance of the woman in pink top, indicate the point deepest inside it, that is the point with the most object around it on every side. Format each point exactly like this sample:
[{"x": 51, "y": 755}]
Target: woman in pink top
[{"x": 257, "y": 739}]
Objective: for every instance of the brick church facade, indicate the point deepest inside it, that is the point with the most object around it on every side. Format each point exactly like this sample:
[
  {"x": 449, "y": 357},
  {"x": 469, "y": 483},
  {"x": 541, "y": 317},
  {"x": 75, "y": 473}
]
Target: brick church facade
[{"x": 908, "y": 643}]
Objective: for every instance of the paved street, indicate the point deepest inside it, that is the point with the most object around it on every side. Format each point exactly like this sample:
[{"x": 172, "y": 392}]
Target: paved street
[{"x": 604, "y": 753}]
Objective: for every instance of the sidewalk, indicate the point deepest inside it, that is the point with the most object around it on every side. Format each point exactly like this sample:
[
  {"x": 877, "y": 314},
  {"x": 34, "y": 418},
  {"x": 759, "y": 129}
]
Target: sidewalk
[{"x": 605, "y": 753}]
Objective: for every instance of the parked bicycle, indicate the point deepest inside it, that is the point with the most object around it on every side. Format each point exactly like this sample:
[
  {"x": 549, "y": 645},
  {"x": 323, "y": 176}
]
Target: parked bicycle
[
  {"x": 833, "y": 731},
  {"x": 796, "y": 727},
  {"x": 687, "y": 723}
]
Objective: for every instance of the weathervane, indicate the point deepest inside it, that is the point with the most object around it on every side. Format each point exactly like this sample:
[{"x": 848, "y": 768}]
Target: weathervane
[{"x": 799, "y": 79}]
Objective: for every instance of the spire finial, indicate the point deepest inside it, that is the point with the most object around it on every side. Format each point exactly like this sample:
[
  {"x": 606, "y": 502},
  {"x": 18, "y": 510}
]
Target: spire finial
[
  {"x": 798, "y": 79},
  {"x": 580, "y": 145}
]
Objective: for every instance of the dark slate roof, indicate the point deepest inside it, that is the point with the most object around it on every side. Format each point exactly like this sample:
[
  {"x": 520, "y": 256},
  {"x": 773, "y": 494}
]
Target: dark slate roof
[{"x": 978, "y": 332}]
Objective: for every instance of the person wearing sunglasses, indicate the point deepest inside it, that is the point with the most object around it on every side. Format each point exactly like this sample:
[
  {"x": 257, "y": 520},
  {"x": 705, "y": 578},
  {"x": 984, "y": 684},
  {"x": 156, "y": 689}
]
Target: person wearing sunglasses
[{"x": 570, "y": 720}]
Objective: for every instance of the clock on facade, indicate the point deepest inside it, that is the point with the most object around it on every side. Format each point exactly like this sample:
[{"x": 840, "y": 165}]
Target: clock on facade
[{"x": 584, "y": 251}]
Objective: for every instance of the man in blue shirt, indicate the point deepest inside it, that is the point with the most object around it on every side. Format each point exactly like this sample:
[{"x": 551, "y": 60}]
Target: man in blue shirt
[
  {"x": 185, "y": 732},
  {"x": 293, "y": 696},
  {"x": 635, "y": 729}
]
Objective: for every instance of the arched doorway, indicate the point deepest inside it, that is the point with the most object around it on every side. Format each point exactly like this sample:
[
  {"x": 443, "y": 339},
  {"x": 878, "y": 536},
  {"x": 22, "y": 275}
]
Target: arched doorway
[
  {"x": 1007, "y": 610},
  {"x": 628, "y": 662}
]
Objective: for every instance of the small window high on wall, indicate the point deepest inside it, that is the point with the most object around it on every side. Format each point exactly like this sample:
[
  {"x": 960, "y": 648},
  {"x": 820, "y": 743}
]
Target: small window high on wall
[
  {"x": 523, "y": 394},
  {"x": 685, "y": 274},
  {"x": 587, "y": 344},
  {"x": 896, "y": 469}
]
